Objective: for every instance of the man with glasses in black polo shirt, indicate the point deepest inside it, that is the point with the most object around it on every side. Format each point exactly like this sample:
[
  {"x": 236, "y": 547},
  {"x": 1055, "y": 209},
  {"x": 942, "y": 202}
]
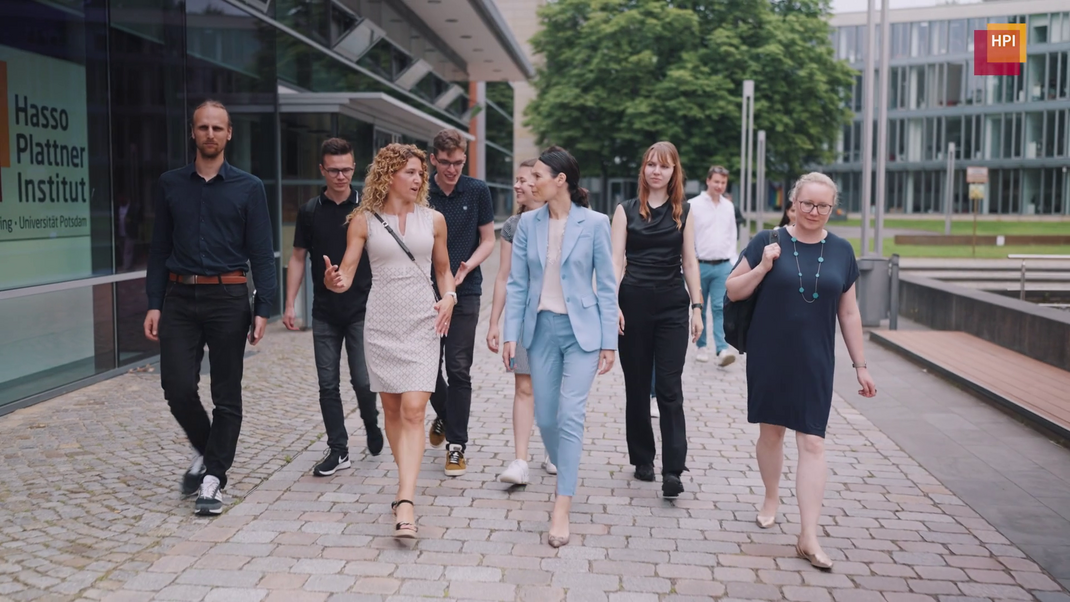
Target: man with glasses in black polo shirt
[
  {"x": 211, "y": 222},
  {"x": 469, "y": 211},
  {"x": 337, "y": 319}
]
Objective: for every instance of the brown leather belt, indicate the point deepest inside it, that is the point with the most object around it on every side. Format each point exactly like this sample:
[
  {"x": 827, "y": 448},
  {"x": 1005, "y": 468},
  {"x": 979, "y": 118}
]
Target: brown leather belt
[{"x": 235, "y": 277}]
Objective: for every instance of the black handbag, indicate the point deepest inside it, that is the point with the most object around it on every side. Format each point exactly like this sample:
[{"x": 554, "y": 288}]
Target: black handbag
[{"x": 738, "y": 314}]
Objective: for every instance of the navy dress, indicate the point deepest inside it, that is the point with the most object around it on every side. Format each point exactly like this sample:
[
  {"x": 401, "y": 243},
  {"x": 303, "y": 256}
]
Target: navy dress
[{"x": 791, "y": 343}]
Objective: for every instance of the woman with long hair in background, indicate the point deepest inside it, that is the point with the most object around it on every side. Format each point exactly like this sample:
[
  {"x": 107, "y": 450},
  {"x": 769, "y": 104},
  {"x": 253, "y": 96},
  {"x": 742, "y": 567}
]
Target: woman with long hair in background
[{"x": 653, "y": 257}]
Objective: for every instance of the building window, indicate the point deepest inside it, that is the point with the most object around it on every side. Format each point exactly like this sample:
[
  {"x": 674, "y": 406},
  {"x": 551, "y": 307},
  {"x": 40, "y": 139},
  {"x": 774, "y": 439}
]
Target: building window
[
  {"x": 919, "y": 39},
  {"x": 957, "y": 36}
]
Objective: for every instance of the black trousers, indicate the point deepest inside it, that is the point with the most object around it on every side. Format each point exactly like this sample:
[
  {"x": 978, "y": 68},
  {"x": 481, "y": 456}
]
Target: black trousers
[
  {"x": 655, "y": 340},
  {"x": 327, "y": 341},
  {"x": 452, "y": 398},
  {"x": 195, "y": 315}
]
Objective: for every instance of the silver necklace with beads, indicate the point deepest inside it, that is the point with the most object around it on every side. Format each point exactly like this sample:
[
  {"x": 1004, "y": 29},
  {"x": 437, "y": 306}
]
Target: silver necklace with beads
[{"x": 817, "y": 276}]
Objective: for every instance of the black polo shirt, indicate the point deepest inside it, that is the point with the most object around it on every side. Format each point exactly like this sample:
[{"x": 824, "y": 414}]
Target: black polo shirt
[
  {"x": 321, "y": 230},
  {"x": 211, "y": 228},
  {"x": 467, "y": 208}
]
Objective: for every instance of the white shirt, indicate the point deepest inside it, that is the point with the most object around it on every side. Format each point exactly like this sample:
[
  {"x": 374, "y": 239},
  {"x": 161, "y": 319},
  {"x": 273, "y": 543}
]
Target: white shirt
[
  {"x": 715, "y": 228},
  {"x": 553, "y": 296}
]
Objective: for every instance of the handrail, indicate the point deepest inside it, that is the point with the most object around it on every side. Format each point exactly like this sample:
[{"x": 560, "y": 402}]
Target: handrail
[{"x": 1024, "y": 257}]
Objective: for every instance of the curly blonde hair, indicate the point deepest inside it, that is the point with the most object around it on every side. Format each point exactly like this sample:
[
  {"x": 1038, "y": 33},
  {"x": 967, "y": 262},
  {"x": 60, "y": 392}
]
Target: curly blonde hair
[{"x": 391, "y": 159}]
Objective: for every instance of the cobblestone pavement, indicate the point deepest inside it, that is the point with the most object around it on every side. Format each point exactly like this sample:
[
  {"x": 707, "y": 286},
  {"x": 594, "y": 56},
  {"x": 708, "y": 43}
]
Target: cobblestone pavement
[{"x": 88, "y": 486}]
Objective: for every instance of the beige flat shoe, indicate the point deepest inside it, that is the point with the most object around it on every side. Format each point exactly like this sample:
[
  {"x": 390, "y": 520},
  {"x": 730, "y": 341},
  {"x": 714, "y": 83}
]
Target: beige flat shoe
[
  {"x": 766, "y": 522},
  {"x": 820, "y": 561}
]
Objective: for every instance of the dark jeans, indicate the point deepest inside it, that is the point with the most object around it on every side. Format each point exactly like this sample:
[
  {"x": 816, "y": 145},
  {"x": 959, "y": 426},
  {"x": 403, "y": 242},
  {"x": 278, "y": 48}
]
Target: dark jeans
[
  {"x": 452, "y": 398},
  {"x": 327, "y": 342},
  {"x": 655, "y": 342},
  {"x": 194, "y": 315}
]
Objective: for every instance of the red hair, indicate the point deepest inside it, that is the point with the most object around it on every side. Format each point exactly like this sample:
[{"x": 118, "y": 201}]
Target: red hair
[{"x": 666, "y": 152}]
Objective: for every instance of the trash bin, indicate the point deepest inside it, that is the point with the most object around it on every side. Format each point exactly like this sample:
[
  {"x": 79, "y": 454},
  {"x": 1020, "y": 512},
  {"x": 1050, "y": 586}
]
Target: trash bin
[{"x": 874, "y": 288}]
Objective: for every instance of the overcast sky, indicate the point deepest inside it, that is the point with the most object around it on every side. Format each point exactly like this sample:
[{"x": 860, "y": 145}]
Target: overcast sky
[{"x": 850, "y": 6}]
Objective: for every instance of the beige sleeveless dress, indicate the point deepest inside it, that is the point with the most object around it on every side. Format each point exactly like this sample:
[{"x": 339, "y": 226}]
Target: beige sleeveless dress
[{"x": 401, "y": 347}]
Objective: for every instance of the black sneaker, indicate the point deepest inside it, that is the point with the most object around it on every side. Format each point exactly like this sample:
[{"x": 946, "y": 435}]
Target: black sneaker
[
  {"x": 671, "y": 486},
  {"x": 209, "y": 498},
  {"x": 437, "y": 436},
  {"x": 645, "y": 472},
  {"x": 191, "y": 481},
  {"x": 375, "y": 438},
  {"x": 332, "y": 462}
]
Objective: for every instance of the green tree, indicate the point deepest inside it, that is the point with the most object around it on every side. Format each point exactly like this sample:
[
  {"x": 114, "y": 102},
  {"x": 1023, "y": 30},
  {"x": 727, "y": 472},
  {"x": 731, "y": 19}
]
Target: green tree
[{"x": 619, "y": 75}]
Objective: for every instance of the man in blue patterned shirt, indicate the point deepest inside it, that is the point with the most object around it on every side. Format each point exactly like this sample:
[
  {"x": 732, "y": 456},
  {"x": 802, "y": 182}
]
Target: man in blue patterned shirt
[{"x": 466, "y": 204}]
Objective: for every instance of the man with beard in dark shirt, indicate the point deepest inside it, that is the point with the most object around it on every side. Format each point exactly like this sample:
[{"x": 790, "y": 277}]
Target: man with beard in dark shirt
[{"x": 211, "y": 222}]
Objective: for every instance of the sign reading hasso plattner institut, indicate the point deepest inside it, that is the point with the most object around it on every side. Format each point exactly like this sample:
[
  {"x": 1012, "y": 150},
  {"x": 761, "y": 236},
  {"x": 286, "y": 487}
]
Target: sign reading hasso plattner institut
[{"x": 43, "y": 160}]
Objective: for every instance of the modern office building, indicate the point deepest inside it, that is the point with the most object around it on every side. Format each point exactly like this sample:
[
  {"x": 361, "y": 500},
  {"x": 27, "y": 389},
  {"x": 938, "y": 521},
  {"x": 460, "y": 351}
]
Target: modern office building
[
  {"x": 1016, "y": 126},
  {"x": 95, "y": 101}
]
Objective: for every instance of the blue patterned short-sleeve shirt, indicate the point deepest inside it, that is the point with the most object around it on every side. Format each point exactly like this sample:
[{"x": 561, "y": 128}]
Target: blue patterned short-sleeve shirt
[{"x": 467, "y": 208}]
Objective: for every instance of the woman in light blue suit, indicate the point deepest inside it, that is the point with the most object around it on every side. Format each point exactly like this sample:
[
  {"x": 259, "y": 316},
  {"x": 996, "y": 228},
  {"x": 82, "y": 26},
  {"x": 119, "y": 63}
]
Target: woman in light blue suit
[{"x": 568, "y": 326}]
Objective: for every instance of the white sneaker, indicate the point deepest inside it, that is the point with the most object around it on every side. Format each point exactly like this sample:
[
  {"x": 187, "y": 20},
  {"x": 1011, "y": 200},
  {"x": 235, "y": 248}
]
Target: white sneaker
[
  {"x": 703, "y": 355},
  {"x": 516, "y": 473},
  {"x": 726, "y": 357},
  {"x": 654, "y": 411},
  {"x": 548, "y": 466},
  {"x": 209, "y": 498}
]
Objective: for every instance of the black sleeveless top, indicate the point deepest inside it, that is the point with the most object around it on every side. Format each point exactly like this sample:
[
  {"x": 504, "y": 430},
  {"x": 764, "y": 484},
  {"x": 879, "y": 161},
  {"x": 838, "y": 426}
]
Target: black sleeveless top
[{"x": 654, "y": 246}]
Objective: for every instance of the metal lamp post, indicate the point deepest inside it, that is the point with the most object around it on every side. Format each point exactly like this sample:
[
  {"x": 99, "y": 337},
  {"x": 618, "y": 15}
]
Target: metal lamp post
[
  {"x": 745, "y": 159},
  {"x": 882, "y": 128},
  {"x": 867, "y": 127},
  {"x": 760, "y": 189},
  {"x": 950, "y": 193}
]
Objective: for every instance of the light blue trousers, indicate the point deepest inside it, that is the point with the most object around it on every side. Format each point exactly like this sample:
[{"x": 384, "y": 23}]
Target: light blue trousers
[
  {"x": 713, "y": 279},
  {"x": 561, "y": 377}
]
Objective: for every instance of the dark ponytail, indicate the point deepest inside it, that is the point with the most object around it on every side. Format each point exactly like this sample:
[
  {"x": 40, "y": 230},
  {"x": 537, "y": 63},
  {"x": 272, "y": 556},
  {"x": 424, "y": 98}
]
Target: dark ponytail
[
  {"x": 579, "y": 196},
  {"x": 561, "y": 161}
]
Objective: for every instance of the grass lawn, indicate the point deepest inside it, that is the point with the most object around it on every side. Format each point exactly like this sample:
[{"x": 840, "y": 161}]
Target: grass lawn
[
  {"x": 983, "y": 252},
  {"x": 988, "y": 228}
]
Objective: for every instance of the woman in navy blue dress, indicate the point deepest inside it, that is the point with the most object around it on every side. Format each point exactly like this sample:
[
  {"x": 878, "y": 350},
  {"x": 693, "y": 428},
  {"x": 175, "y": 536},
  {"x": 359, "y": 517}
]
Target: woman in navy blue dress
[{"x": 807, "y": 280}]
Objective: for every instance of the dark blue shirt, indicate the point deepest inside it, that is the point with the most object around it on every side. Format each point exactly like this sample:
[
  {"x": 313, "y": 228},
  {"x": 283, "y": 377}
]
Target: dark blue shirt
[
  {"x": 211, "y": 228},
  {"x": 467, "y": 208}
]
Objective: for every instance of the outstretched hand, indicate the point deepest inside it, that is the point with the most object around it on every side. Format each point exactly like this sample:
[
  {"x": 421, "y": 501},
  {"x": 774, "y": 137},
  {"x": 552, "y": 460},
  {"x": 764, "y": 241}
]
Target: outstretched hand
[{"x": 333, "y": 278}]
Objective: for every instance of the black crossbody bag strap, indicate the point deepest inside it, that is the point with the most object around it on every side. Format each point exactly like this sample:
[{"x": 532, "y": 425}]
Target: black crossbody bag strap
[{"x": 405, "y": 248}]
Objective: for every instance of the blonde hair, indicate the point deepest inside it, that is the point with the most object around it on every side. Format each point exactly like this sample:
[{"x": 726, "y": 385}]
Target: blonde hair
[
  {"x": 815, "y": 177},
  {"x": 391, "y": 159}
]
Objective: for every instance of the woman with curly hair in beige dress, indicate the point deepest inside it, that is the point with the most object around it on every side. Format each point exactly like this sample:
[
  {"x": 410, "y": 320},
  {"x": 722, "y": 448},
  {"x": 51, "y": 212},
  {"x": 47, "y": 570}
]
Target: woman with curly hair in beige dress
[{"x": 404, "y": 238}]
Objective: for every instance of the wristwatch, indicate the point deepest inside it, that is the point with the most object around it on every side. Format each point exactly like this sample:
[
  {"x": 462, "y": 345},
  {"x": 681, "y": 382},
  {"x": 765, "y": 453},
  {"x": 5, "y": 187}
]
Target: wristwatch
[
  {"x": 697, "y": 306},
  {"x": 452, "y": 294}
]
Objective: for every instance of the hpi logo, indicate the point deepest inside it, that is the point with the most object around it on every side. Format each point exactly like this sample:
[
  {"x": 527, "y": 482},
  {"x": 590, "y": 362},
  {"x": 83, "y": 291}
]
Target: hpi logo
[{"x": 999, "y": 50}]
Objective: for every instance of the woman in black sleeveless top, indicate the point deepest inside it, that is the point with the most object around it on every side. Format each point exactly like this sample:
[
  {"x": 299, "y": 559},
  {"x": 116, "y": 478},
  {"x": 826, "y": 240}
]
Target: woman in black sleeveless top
[{"x": 652, "y": 242}]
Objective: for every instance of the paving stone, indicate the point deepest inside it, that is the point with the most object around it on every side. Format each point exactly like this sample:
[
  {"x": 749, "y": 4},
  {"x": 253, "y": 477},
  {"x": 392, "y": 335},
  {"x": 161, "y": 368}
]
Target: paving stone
[{"x": 896, "y": 534}]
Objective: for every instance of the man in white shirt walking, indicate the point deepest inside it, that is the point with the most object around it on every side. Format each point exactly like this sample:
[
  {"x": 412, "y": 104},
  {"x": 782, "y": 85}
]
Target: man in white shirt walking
[{"x": 715, "y": 245}]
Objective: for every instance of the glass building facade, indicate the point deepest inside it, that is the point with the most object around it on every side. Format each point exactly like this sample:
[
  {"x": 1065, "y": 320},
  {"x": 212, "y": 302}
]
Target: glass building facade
[
  {"x": 95, "y": 102},
  {"x": 1016, "y": 126}
]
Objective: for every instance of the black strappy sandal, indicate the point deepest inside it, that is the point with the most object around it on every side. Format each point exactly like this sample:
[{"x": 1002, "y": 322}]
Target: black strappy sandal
[{"x": 403, "y": 530}]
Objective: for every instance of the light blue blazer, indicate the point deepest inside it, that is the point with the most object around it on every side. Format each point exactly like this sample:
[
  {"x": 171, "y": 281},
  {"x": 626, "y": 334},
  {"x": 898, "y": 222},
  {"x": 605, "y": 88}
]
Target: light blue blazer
[{"x": 585, "y": 254}]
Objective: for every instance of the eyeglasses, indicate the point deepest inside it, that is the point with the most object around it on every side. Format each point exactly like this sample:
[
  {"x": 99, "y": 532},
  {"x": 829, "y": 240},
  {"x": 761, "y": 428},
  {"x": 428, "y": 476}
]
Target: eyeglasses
[
  {"x": 334, "y": 172},
  {"x": 809, "y": 206},
  {"x": 454, "y": 164}
]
